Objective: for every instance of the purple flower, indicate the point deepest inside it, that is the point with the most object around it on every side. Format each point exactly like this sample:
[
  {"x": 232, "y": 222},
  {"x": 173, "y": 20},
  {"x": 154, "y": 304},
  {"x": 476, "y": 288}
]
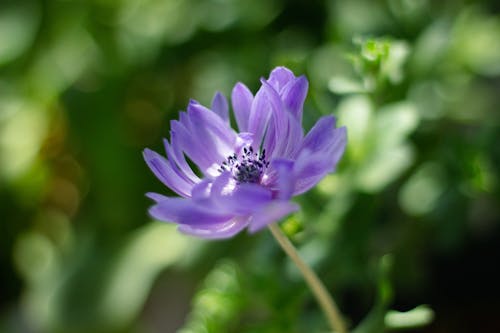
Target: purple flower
[{"x": 245, "y": 179}]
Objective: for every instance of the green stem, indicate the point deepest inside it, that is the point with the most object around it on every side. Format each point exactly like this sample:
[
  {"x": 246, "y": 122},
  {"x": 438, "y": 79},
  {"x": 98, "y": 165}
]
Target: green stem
[{"x": 326, "y": 302}]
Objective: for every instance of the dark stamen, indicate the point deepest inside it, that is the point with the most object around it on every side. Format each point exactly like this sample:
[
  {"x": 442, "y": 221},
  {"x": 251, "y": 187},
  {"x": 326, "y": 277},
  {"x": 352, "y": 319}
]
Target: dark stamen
[{"x": 248, "y": 167}]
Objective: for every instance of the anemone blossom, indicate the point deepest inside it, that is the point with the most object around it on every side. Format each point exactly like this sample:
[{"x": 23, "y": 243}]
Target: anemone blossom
[{"x": 244, "y": 179}]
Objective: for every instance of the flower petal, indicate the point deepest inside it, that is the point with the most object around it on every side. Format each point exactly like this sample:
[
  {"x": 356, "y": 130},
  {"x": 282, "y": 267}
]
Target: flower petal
[
  {"x": 285, "y": 180},
  {"x": 179, "y": 165},
  {"x": 201, "y": 190},
  {"x": 260, "y": 114},
  {"x": 164, "y": 172},
  {"x": 156, "y": 196},
  {"x": 321, "y": 136},
  {"x": 242, "y": 99},
  {"x": 204, "y": 136},
  {"x": 338, "y": 145},
  {"x": 187, "y": 211},
  {"x": 294, "y": 95},
  {"x": 309, "y": 169},
  {"x": 220, "y": 106},
  {"x": 273, "y": 212},
  {"x": 238, "y": 199},
  {"x": 279, "y": 77},
  {"x": 244, "y": 139},
  {"x": 276, "y": 136},
  {"x": 320, "y": 152},
  {"x": 295, "y": 136},
  {"x": 284, "y": 133},
  {"x": 210, "y": 129},
  {"x": 288, "y": 142},
  {"x": 216, "y": 231},
  {"x": 187, "y": 142}
]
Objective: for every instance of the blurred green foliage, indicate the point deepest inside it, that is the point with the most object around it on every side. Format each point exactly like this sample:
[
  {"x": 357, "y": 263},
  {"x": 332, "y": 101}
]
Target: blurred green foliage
[{"x": 410, "y": 218}]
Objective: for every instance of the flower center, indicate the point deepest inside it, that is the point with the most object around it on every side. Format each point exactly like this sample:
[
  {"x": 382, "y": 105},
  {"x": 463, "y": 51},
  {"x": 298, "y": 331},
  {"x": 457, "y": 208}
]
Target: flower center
[{"x": 247, "y": 167}]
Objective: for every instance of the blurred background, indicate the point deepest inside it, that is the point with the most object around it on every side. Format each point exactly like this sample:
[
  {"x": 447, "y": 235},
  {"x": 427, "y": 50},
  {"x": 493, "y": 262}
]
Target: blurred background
[{"x": 405, "y": 235}]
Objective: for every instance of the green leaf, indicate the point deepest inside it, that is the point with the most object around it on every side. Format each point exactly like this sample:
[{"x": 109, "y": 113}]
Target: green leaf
[
  {"x": 420, "y": 316},
  {"x": 374, "y": 321}
]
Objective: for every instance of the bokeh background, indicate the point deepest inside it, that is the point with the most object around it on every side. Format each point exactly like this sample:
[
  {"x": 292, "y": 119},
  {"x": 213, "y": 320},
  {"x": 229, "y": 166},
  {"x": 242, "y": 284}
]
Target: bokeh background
[{"x": 405, "y": 235}]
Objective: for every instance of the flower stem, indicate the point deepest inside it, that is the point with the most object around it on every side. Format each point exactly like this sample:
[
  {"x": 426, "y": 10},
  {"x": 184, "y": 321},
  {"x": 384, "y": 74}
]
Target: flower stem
[{"x": 328, "y": 305}]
